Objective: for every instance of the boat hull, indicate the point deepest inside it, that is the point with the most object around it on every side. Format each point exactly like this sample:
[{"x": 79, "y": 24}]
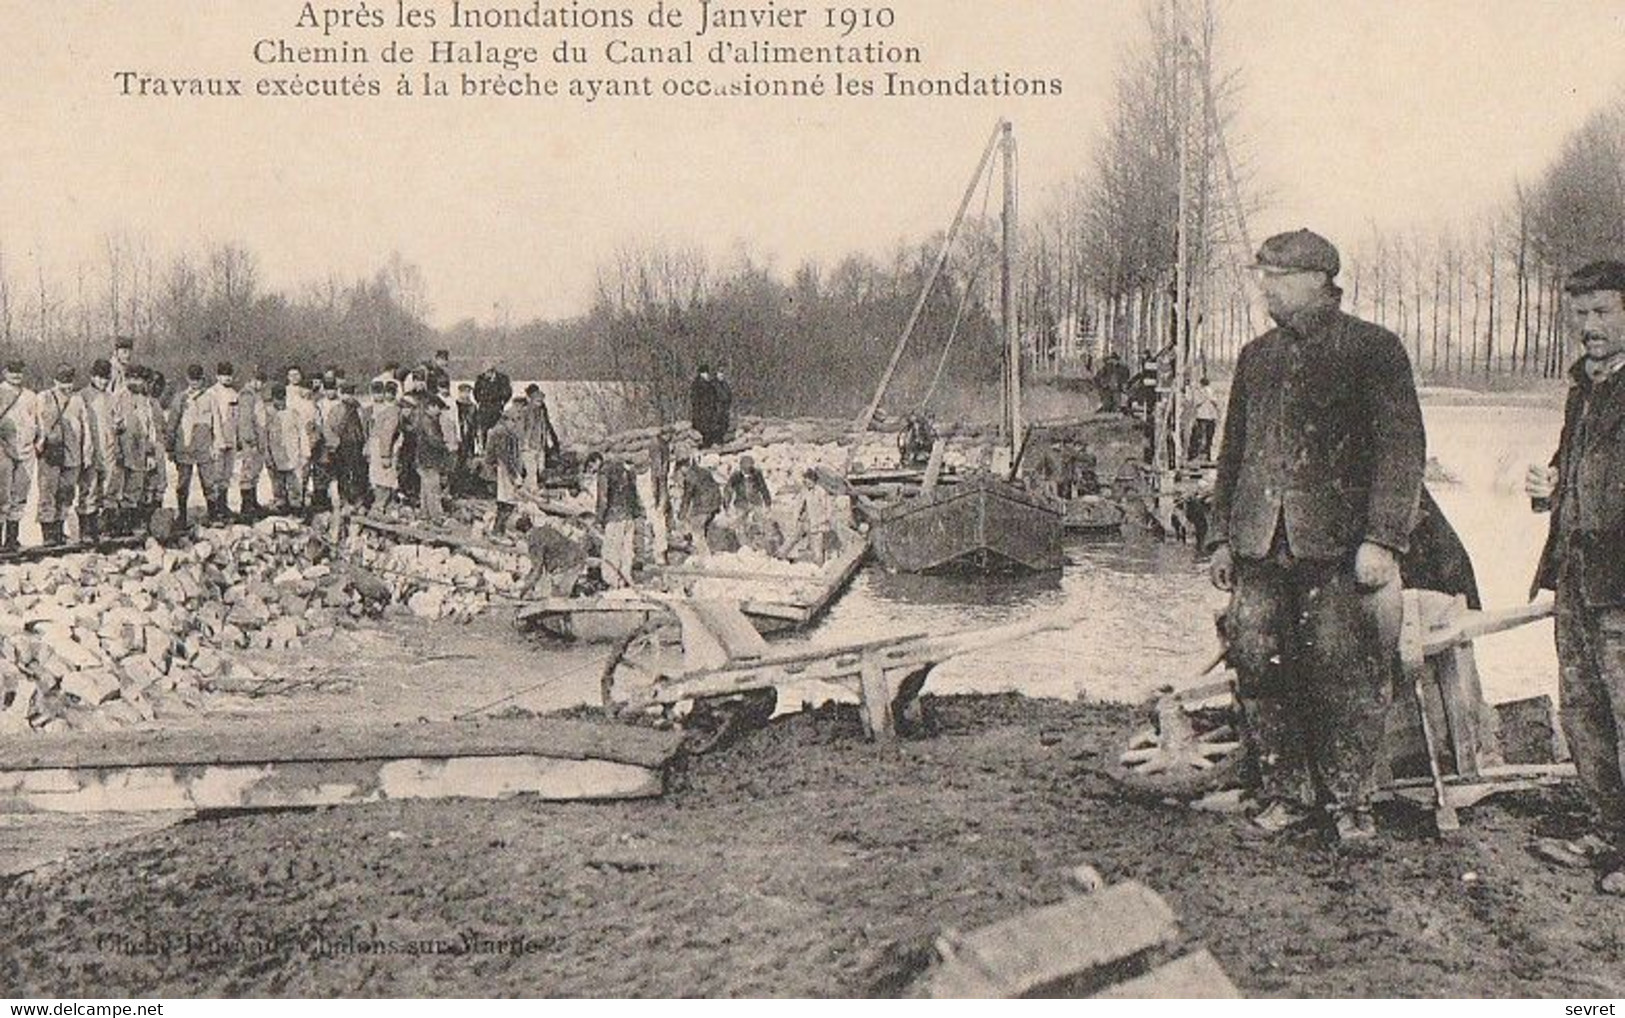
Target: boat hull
[{"x": 985, "y": 526}]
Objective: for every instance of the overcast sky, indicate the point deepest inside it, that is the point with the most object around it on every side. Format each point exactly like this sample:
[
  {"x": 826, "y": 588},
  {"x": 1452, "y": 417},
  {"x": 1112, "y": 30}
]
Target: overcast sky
[{"x": 1386, "y": 112}]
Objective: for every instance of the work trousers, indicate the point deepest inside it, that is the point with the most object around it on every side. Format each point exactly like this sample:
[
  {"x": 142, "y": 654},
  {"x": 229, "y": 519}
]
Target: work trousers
[
  {"x": 620, "y": 552},
  {"x": 95, "y": 479},
  {"x": 1202, "y": 432},
  {"x": 535, "y": 461},
  {"x": 128, "y": 487},
  {"x": 1315, "y": 658},
  {"x": 429, "y": 494},
  {"x": 57, "y": 487},
  {"x": 382, "y": 496},
  {"x": 14, "y": 481},
  {"x": 158, "y": 482},
  {"x": 1591, "y": 686},
  {"x": 287, "y": 489},
  {"x": 210, "y": 476},
  {"x": 250, "y": 463}
]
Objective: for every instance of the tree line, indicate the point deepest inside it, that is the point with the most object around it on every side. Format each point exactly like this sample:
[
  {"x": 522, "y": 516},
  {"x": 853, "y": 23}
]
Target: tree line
[
  {"x": 1487, "y": 299},
  {"x": 205, "y": 307},
  {"x": 1476, "y": 303}
]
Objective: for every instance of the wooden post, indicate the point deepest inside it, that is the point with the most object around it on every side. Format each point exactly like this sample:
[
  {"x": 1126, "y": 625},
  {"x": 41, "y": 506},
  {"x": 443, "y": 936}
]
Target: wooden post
[{"x": 876, "y": 693}]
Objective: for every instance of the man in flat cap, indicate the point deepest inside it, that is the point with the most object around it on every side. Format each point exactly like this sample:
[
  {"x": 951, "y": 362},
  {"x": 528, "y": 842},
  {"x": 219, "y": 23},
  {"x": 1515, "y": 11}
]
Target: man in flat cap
[
  {"x": 1320, "y": 476},
  {"x": 1583, "y": 561}
]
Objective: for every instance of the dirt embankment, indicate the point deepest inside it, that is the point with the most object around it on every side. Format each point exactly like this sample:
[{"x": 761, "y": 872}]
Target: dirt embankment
[{"x": 801, "y": 861}]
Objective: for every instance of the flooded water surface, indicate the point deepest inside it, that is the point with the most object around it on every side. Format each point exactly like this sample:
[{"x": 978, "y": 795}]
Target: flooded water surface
[{"x": 1145, "y": 609}]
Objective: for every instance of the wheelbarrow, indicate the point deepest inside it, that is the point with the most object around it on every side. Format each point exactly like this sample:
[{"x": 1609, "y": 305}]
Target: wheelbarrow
[
  {"x": 1193, "y": 747},
  {"x": 706, "y": 667}
]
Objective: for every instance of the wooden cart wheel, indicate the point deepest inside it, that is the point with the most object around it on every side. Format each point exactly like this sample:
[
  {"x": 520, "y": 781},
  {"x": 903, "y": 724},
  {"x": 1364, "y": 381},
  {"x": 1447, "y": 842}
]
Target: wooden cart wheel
[
  {"x": 1185, "y": 754},
  {"x": 717, "y": 721},
  {"x": 653, "y": 649}
]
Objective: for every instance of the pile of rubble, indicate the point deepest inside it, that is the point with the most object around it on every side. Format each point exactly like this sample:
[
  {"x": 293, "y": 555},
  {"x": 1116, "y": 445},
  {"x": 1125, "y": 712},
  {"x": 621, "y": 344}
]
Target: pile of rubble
[
  {"x": 97, "y": 641},
  {"x": 783, "y": 448},
  {"x": 434, "y": 582}
]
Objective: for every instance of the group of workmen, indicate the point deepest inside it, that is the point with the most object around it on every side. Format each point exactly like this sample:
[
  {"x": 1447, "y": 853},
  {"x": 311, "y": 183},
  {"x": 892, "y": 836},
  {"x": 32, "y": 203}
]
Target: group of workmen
[
  {"x": 1316, "y": 508},
  {"x": 1143, "y": 392},
  {"x": 107, "y": 451}
]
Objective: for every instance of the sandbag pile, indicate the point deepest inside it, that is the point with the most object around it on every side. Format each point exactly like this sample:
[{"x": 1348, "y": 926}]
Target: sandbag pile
[
  {"x": 633, "y": 446},
  {"x": 93, "y": 642}
]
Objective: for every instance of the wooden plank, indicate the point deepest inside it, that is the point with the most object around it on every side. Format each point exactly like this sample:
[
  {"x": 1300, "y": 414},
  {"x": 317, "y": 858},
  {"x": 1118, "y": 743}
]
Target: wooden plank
[
  {"x": 1456, "y": 672},
  {"x": 40, "y": 552},
  {"x": 933, "y": 467},
  {"x": 420, "y": 535},
  {"x": 586, "y": 605},
  {"x": 1194, "y": 977},
  {"x": 305, "y": 783},
  {"x": 1081, "y": 934},
  {"x": 738, "y": 637},
  {"x": 841, "y": 663},
  {"x": 702, "y": 650},
  {"x": 1467, "y": 626},
  {"x": 304, "y": 741}
]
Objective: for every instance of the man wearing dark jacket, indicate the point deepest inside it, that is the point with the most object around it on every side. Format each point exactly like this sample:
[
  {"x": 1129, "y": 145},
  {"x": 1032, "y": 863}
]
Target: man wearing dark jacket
[
  {"x": 492, "y": 391},
  {"x": 710, "y": 406},
  {"x": 1319, "y": 479},
  {"x": 1583, "y": 560}
]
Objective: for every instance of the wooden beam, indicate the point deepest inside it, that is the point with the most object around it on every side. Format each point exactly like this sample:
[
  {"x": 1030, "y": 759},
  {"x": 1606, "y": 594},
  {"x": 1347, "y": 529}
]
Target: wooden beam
[
  {"x": 304, "y": 783},
  {"x": 307, "y": 742}
]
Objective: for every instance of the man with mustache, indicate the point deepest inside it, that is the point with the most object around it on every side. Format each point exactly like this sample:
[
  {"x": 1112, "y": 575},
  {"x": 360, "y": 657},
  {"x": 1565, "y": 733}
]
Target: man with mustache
[{"x": 1583, "y": 559}]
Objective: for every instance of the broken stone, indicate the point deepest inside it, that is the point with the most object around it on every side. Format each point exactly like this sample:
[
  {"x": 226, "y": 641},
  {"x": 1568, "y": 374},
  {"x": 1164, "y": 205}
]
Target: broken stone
[
  {"x": 140, "y": 672},
  {"x": 93, "y": 686}
]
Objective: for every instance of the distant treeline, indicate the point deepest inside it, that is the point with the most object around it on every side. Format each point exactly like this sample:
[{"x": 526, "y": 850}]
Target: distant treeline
[
  {"x": 207, "y": 308},
  {"x": 1489, "y": 298},
  {"x": 1475, "y": 303},
  {"x": 813, "y": 344}
]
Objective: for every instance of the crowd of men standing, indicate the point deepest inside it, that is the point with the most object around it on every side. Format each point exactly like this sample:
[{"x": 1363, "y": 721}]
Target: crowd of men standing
[{"x": 106, "y": 451}]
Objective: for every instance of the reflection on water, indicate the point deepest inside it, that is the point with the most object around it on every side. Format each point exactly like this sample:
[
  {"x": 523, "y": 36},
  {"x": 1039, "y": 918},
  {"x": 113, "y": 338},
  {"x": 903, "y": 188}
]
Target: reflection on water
[{"x": 1146, "y": 610}]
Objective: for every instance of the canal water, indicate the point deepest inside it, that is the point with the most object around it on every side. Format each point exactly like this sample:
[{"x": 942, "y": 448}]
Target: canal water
[{"x": 1147, "y": 609}]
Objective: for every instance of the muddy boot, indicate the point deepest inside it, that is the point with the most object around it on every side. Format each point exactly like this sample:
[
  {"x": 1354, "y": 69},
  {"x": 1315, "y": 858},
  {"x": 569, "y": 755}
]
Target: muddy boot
[
  {"x": 1356, "y": 827},
  {"x": 1278, "y": 817},
  {"x": 250, "y": 505},
  {"x": 10, "y": 536},
  {"x": 180, "y": 512},
  {"x": 504, "y": 514},
  {"x": 51, "y": 534},
  {"x": 90, "y": 528}
]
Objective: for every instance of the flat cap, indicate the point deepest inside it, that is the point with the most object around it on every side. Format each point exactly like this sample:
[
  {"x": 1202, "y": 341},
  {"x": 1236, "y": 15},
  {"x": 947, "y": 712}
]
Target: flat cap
[
  {"x": 1300, "y": 251},
  {"x": 1596, "y": 277}
]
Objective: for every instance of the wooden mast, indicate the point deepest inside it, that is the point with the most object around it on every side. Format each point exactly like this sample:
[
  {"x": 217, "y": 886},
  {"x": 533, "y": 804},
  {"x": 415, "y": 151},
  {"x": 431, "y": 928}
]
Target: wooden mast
[
  {"x": 1011, "y": 426},
  {"x": 868, "y": 416}
]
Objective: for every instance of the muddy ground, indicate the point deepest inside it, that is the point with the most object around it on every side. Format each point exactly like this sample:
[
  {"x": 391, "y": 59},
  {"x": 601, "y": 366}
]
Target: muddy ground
[{"x": 800, "y": 861}]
